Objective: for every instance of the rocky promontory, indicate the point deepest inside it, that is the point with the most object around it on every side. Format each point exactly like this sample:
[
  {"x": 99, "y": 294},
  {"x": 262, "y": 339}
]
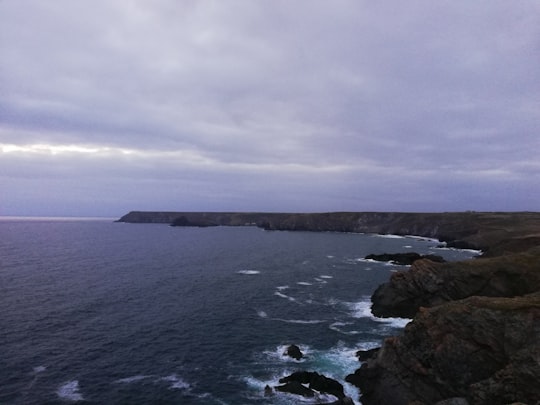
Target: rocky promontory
[{"x": 482, "y": 350}]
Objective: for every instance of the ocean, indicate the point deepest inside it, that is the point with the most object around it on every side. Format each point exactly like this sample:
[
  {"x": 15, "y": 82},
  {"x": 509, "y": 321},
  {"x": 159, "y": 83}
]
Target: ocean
[{"x": 98, "y": 312}]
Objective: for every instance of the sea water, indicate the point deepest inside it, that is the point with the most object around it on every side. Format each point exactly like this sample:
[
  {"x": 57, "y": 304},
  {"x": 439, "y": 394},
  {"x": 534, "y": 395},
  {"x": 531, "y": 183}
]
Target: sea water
[{"x": 112, "y": 313}]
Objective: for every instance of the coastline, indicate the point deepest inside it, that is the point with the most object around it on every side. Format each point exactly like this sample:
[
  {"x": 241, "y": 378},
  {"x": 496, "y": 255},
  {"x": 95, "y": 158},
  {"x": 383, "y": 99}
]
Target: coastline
[{"x": 488, "y": 355}]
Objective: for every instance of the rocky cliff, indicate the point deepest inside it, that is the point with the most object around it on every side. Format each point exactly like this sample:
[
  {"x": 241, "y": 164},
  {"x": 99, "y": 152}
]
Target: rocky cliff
[
  {"x": 427, "y": 283},
  {"x": 481, "y": 350}
]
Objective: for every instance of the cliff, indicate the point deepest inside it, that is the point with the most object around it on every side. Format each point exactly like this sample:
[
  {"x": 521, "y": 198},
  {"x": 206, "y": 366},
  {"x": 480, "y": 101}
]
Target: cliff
[
  {"x": 481, "y": 350},
  {"x": 427, "y": 283}
]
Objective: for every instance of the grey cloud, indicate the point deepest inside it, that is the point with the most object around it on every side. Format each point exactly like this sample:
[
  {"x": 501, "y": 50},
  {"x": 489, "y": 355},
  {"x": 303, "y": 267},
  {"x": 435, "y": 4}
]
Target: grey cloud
[{"x": 402, "y": 95}]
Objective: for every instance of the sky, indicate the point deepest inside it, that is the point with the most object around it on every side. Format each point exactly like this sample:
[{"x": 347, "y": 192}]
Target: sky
[{"x": 268, "y": 105}]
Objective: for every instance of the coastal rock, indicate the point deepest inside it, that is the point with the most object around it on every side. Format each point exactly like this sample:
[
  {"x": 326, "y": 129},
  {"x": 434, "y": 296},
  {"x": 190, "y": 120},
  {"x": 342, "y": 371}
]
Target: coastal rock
[
  {"x": 294, "y": 352},
  {"x": 315, "y": 381},
  {"x": 404, "y": 259},
  {"x": 364, "y": 355},
  {"x": 427, "y": 283},
  {"x": 483, "y": 349}
]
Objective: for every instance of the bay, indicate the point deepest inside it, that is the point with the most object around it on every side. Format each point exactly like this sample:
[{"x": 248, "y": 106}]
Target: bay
[{"x": 104, "y": 312}]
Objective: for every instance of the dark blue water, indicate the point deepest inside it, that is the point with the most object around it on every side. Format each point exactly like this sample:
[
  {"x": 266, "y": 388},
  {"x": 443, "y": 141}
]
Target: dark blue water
[{"x": 109, "y": 313}]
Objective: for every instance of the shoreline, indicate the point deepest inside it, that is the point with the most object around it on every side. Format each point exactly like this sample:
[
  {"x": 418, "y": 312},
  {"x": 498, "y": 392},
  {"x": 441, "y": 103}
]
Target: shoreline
[{"x": 463, "y": 344}]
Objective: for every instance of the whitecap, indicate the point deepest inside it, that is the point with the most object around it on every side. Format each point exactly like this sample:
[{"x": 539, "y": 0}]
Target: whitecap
[
  {"x": 300, "y": 321},
  {"x": 304, "y": 283},
  {"x": 70, "y": 391},
  {"x": 362, "y": 309},
  {"x": 330, "y": 256},
  {"x": 285, "y": 296},
  {"x": 262, "y": 314},
  {"x": 407, "y": 247},
  {"x": 282, "y": 287},
  {"x": 176, "y": 382},
  {"x": 325, "y": 276},
  {"x": 389, "y": 236},
  {"x": 128, "y": 380},
  {"x": 338, "y": 327},
  {"x": 248, "y": 272},
  {"x": 39, "y": 369}
]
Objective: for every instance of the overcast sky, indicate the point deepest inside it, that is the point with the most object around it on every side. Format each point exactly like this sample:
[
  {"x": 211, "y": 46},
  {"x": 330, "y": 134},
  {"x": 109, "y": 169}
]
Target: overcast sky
[{"x": 272, "y": 105}]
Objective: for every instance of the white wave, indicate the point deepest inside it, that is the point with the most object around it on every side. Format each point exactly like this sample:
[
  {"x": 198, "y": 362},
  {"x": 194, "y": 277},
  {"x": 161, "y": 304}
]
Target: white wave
[
  {"x": 389, "y": 236},
  {"x": 364, "y": 260},
  {"x": 70, "y": 391},
  {"x": 325, "y": 276},
  {"x": 262, "y": 314},
  {"x": 282, "y": 287},
  {"x": 292, "y": 299},
  {"x": 176, "y": 382},
  {"x": 362, "y": 309},
  {"x": 422, "y": 238},
  {"x": 472, "y": 251},
  {"x": 39, "y": 369},
  {"x": 304, "y": 283},
  {"x": 128, "y": 380},
  {"x": 337, "y": 327},
  {"x": 330, "y": 256},
  {"x": 248, "y": 272},
  {"x": 300, "y": 321},
  {"x": 407, "y": 247}
]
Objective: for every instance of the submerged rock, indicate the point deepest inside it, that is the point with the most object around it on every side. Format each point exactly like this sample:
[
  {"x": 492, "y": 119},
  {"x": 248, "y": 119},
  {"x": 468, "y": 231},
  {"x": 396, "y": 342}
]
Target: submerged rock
[{"x": 482, "y": 349}]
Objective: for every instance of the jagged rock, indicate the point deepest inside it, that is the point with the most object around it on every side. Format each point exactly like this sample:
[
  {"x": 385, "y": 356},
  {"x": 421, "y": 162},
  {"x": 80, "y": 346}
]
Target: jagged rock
[
  {"x": 316, "y": 382},
  {"x": 268, "y": 392},
  {"x": 483, "y": 349},
  {"x": 427, "y": 284},
  {"x": 404, "y": 259},
  {"x": 294, "y": 352},
  {"x": 364, "y": 355}
]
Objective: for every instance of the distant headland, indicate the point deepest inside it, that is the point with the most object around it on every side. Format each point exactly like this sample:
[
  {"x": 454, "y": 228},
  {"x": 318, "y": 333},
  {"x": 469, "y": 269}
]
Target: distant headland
[{"x": 494, "y": 233}]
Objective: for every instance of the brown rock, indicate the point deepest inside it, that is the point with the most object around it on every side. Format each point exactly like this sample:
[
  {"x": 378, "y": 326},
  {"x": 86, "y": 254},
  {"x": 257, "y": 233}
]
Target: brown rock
[{"x": 483, "y": 349}]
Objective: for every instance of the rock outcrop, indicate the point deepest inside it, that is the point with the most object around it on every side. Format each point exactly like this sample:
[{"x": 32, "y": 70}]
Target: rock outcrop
[
  {"x": 310, "y": 383},
  {"x": 427, "y": 283},
  {"x": 483, "y": 350},
  {"x": 294, "y": 352},
  {"x": 404, "y": 259}
]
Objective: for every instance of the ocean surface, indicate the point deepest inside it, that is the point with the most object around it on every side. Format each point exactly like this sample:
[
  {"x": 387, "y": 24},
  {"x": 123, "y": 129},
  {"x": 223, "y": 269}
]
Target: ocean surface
[{"x": 97, "y": 312}]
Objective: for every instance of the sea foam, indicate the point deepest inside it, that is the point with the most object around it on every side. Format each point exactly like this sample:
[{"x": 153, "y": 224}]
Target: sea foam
[
  {"x": 70, "y": 391},
  {"x": 362, "y": 309},
  {"x": 249, "y": 272}
]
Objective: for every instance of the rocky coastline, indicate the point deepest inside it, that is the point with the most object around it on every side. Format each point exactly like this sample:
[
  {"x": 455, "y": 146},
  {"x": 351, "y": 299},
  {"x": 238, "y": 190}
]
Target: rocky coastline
[{"x": 474, "y": 338}]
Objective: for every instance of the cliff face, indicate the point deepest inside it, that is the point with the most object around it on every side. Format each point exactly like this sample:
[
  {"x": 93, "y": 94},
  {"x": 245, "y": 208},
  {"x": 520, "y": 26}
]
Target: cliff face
[
  {"x": 484, "y": 350},
  {"x": 428, "y": 284}
]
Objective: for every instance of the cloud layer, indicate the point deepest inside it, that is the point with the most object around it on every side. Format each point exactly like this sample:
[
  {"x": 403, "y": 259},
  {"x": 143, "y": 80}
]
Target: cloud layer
[{"x": 271, "y": 105}]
